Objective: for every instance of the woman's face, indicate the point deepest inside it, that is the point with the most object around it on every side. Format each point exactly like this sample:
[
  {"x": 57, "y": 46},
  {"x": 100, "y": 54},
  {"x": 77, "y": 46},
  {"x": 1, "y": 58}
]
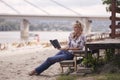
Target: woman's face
[{"x": 77, "y": 29}]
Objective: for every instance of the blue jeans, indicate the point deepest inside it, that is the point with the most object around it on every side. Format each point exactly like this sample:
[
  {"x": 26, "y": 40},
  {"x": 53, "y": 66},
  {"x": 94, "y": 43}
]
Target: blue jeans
[{"x": 60, "y": 56}]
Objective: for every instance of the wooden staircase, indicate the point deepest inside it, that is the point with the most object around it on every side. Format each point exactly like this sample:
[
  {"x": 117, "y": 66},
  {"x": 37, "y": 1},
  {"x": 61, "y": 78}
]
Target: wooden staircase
[{"x": 115, "y": 21}]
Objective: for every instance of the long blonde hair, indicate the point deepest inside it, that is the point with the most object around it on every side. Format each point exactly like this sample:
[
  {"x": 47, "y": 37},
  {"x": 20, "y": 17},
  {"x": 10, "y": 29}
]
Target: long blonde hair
[{"x": 79, "y": 25}]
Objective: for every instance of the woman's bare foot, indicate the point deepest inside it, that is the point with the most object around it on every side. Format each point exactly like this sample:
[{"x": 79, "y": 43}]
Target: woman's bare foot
[{"x": 32, "y": 73}]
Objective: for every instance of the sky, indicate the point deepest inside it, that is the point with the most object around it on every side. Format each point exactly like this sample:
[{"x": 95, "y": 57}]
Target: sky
[{"x": 54, "y": 7}]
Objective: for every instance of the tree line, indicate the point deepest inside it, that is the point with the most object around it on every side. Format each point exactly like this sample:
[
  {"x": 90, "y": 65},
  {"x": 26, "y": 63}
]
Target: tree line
[{"x": 9, "y": 25}]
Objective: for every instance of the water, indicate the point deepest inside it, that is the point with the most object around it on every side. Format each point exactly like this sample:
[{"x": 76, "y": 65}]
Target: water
[
  {"x": 52, "y": 29},
  {"x": 43, "y": 36}
]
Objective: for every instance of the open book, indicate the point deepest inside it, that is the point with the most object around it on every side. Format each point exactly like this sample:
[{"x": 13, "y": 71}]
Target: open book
[{"x": 55, "y": 43}]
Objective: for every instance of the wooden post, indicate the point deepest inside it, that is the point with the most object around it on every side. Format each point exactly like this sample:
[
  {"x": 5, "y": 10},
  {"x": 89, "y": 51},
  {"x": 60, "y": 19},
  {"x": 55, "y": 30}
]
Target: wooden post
[{"x": 113, "y": 13}]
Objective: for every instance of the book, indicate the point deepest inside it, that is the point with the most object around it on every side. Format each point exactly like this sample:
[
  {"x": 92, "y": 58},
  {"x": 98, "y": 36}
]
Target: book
[{"x": 55, "y": 43}]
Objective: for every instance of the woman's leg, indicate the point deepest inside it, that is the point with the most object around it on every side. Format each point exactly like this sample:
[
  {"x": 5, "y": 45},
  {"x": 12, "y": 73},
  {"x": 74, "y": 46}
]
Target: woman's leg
[{"x": 62, "y": 55}]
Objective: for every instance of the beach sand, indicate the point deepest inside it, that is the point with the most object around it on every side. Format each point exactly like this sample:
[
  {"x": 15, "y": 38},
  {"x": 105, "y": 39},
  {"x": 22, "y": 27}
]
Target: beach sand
[{"x": 17, "y": 63}]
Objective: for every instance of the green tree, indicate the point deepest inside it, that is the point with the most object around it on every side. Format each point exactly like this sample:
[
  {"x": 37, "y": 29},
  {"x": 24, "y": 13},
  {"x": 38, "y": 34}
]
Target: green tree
[{"x": 108, "y": 3}]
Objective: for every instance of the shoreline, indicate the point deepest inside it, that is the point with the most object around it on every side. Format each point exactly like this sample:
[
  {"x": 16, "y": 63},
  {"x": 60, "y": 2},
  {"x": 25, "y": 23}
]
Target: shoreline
[{"x": 27, "y": 44}]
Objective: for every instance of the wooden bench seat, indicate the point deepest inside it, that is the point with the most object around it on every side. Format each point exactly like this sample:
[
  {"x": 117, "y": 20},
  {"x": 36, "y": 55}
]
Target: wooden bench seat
[{"x": 78, "y": 54}]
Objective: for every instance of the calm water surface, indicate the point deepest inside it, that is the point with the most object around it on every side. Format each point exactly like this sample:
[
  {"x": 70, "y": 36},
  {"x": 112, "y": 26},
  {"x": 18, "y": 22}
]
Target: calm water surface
[{"x": 43, "y": 36}]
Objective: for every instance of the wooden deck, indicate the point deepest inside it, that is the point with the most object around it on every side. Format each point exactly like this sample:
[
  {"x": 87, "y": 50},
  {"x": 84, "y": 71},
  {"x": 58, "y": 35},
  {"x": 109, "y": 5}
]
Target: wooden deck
[
  {"x": 103, "y": 44},
  {"x": 117, "y": 40}
]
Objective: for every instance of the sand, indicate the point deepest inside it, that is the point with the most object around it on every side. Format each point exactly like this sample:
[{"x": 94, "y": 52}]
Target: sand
[{"x": 15, "y": 64}]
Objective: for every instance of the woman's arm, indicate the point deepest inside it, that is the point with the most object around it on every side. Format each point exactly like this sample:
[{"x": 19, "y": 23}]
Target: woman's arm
[
  {"x": 73, "y": 48},
  {"x": 67, "y": 48}
]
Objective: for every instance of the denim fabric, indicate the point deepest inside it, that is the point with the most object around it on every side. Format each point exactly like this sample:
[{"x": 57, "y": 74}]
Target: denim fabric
[{"x": 62, "y": 55}]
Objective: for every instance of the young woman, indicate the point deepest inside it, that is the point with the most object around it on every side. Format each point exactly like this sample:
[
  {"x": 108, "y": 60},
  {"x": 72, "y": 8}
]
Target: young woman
[{"x": 76, "y": 42}]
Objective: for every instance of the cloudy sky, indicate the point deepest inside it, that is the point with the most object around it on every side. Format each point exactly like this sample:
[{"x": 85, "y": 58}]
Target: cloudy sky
[{"x": 54, "y": 7}]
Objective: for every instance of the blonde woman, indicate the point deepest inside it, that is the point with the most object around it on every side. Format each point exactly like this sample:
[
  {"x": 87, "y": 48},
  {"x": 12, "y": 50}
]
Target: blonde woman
[{"x": 76, "y": 42}]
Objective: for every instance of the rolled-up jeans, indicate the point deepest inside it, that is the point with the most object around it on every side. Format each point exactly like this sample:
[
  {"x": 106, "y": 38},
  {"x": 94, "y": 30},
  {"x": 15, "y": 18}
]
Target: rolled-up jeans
[{"x": 60, "y": 56}]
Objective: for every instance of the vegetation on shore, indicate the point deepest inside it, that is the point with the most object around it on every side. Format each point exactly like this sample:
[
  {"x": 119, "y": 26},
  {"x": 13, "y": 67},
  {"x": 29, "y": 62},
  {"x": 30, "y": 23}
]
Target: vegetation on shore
[
  {"x": 108, "y": 76},
  {"x": 106, "y": 68}
]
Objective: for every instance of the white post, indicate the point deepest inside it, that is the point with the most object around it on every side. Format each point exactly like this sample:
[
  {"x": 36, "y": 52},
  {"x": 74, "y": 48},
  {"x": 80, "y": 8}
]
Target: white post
[
  {"x": 87, "y": 26},
  {"x": 24, "y": 29}
]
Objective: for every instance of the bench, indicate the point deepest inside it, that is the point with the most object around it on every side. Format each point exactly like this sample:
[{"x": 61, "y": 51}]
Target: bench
[{"x": 78, "y": 54}]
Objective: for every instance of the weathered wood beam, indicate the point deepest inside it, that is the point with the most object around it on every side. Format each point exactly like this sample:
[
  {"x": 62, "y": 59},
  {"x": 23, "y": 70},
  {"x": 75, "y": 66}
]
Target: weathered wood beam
[
  {"x": 117, "y": 9},
  {"x": 117, "y": 35},
  {"x": 116, "y": 26},
  {"x": 117, "y": 18}
]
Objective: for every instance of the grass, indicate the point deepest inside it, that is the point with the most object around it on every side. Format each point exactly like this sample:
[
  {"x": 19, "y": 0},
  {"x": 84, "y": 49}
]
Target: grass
[
  {"x": 66, "y": 77},
  {"x": 114, "y": 76}
]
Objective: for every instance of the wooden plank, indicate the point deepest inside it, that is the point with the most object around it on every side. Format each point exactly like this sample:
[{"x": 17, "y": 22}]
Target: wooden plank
[
  {"x": 84, "y": 70},
  {"x": 117, "y": 9},
  {"x": 105, "y": 44},
  {"x": 116, "y": 26},
  {"x": 67, "y": 63},
  {"x": 117, "y": 18},
  {"x": 117, "y": 35},
  {"x": 78, "y": 53}
]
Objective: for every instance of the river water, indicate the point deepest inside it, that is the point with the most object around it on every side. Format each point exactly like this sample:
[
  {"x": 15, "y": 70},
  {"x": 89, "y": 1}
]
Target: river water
[{"x": 12, "y": 36}]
